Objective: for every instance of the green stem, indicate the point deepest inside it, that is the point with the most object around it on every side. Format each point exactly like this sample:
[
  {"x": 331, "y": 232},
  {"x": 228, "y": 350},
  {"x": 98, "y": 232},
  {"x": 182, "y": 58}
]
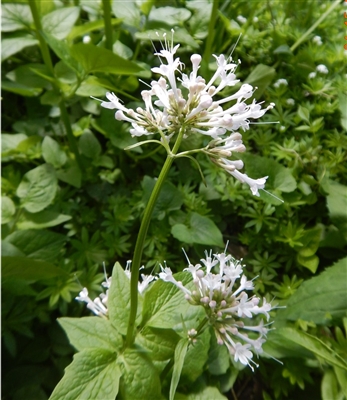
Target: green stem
[
  {"x": 314, "y": 26},
  {"x": 108, "y": 25},
  {"x": 48, "y": 62},
  {"x": 135, "y": 268},
  {"x": 211, "y": 28}
]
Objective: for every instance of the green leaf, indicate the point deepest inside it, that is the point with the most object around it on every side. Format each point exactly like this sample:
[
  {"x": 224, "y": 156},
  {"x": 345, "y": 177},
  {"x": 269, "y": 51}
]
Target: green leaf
[
  {"x": 37, "y": 188},
  {"x": 304, "y": 114},
  {"x": 10, "y": 141},
  {"x": 208, "y": 393},
  {"x": 19, "y": 88},
  {"x": 180, "y": 353},
  {"x": 93, "y": 374},
  {"x": 42, "y": 219},
  {"x": 140, "y": 379},
  {"x": 201, "y": 230},
  {"x": 119, "y": 300},
  {"x": 27, "y": 269},
  {"x": 52, "y": 152},
  {"x": 324, "y": 297},
  {"x": 181, "y": 36},
  {"x": 218, "y": 358},
  {"x": 27, "y": 75},
  {"x": 15, "y": 16},
  {"x": 9, "y": 250},
  {"x": 89, "y": 145},
  {"x": 337, "y": 206},
  {"x": 71, "y": 174},
  {"x": 315, "y": 345},
  {"x": 128, "y": 12},
  {"x": 261, "y": 77},
  {"x": 160, "y": 343},
  {"x": 81, "y": 30},
  {"x": 329, "y": 385},
  {"x": 8, "y": 209},
  {"x": 91, "y": 333},
  {"x": 98, "y": 59},
  {"x": 170, "y": 15},
  {"x": 309, "y": 262},
  {"x": 38, "y": 244},
  {"x": 59, "y": 23},
  {"x": 14, "y": 45},
  {"x": 170, "y": 198}
]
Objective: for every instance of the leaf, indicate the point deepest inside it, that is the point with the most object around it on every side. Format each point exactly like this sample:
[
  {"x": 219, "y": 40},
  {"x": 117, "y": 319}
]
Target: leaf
[
  {"x": 98, "y": 59},
  {"x": 218, "y": 358},
  {"x": 91, "y": 333},
  {"x": 140, "y": 379},
  {"x": 180, "y": 353},
  {"x": 337, "y": 206},
  {"x": 201, "y": 230},
  {"x": 181, "y": 36},
  {"x": 93, "y": 374},
  {"x": 128, "y": 12},
  {"x": 315, "y": 345},
  {"x": 19, "y": 88},
  {"x": 42, "y": 219},
  {"x": 71, "y": 174},
  {"x": 27, "y": 75},
  {"x": 27, "y": 269},
  {"x": 160, "y": 343},
  {"x": 261, "y": 77},
  {"x": 208, "y": 393},
  {"x": 89, "y": 145},
  {"x": 324, "y": 297},
  {"x": 15, "y": 16},
  {"x": 59, "y": 23},
  {"x": 170, "y": 15},
  {"x": 329, "y": 385},
  {"x": 10, "y": 141},
  {"x": 8, "y": 209},
  {"x": 119, "y": 300},
  {"x": 52, "y": 153},
  {"x": 38, "y": 244},
  {"x": 81, "y": 30},
  {"x": 14, "y": 45},
  {"x": 37, "y": 188}
]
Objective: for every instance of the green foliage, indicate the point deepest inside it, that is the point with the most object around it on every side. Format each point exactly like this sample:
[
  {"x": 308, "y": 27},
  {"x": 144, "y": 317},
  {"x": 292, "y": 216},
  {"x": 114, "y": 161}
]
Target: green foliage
[{"x": 72, "y": 198}]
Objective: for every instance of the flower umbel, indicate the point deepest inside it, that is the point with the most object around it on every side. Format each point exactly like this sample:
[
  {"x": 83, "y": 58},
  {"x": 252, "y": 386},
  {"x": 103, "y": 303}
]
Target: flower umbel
[
  {"x": 228, "y": 307},
  {"x": 189, "y": 101}
]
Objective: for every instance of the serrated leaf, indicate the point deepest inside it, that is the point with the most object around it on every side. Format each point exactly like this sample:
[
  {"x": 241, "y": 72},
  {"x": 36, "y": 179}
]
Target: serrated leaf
[
  {"x": 140, "y": 379},
  {"x": 59, "y": 23},
  {"x": 201, "y": 230},
  {"x": 91, "y": 333},
  {"x": 37, "y": 188},
  {"x": 324, "y": 297},
  {"x": 180, "y": 353},
  {"x": 315, "y": 345},
  {"x": 93, "y": 374},
  {"x": 8, "y": 209},
  {"x": 119, "y": 300},
  {"x": 52, "y": 152}
]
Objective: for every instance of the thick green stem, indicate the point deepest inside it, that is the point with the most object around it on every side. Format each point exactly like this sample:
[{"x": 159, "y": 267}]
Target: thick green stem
[
  {"x": 211, "y": 32},
  {"x": 135, "y": 268},
  {"x": 108, "y": 24},
  {"x": 48, "y": 62}
]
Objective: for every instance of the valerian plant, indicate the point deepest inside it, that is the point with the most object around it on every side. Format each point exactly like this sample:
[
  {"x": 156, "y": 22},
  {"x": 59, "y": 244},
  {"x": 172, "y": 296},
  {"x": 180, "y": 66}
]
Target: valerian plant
[{"x": 175, "y": 109}]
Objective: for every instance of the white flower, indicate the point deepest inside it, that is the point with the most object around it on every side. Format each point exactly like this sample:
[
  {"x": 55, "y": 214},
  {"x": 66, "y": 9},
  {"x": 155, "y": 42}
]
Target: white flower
[
  {"x": 241, "y": 19},
  {"x": 86, "y": 39},
  {"x": 322, "y": 69},
  {"x": 290, "y": 102},
  {"x": 280, "y": 82},
  {"x": 317, "y": 40},
  {"x": 228, "y": 307},
  {"x": 312, "y": 75},
  {"x": 201, "y": 111}
]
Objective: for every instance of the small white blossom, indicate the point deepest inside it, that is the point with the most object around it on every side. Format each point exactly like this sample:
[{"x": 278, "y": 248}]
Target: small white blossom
[
  {"x": 228, "y": 306},
  {"x": 290, "y": 102},
  {"x": 201, "y": 111},
  {"x": 312, "y": 75},
  {"x": 241, "y": 19},
  {"x": 322, "y": 69},
  {"x": 86, "y": 39},
  {"x": 281, "y": 82},
  {"x": 317, "y": 40}
]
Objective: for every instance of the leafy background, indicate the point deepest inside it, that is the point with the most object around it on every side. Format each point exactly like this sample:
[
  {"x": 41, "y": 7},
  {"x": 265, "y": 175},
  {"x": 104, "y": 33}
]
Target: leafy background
[{"x": 72, "y": 198}]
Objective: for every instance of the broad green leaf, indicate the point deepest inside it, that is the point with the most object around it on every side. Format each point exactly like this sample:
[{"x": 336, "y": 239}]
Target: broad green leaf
[
  {"x": 119, "y": 300},
  {"x": 37, "y": 188},
  {"x": 337, "y": 206},
  {"x": 71, "y": 174},
  {"x": 261, "y": 77},
  {"x": 93, "y": 374},
  {"x": 98, "y": 59},
  {"x": 315, "y": 345},
  {"x": 164, "y": 304},
  {"x": 38, "y": 244},
  {"x": 181, "y": 36},
  {"x": 13, "y": 45},
  {"x": 196, "y": 358},
  {"x": 8, "y": 209},
  {"x": 329, "y": 385},
  {"x": 140, "y": 379},
  {"x": 170, "y": 15},
  {"x": 218, "y": 358},
  {"x": 10, "y": 141},
  {"x": 208, "y": 393},
  {"x": 309, "y": 262},
  {"x": 128, "y": 12},
  {"x": 324, "y": 297},
  {"x": 15, "y": 17},
  {"x": 19, "y": 88},
  {"x": 81, "y": 30},
  {"x": 304, "y": 114},
  {"x": 27, "y": 269},
  {"x": 52, "y": 152},
  {"x": 91, "y": 333},
  {"x": 201, "y": 230},
  {"x": 180, "y": 353},
  {"x": 198, "y": 23},
  {"x": 42, "y": 219},
  {"x": 27, "y": 75},
  {"x": 160, "y": 343},
  {"x": 9, "y": 250},
  {"x": 170, "y": 198},
  {"x": 91, "y": 87},
  {"x": 59, "y": 23},
  {"x": 89, "y": 145}
]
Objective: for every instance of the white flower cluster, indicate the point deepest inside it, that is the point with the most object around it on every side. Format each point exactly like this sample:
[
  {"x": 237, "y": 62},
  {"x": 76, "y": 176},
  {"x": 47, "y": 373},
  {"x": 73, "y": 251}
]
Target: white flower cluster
[
  {"x": 228, "y": 307},
  {"x": 321, "y": 68},
  {"x": 195, "y": 108}
]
